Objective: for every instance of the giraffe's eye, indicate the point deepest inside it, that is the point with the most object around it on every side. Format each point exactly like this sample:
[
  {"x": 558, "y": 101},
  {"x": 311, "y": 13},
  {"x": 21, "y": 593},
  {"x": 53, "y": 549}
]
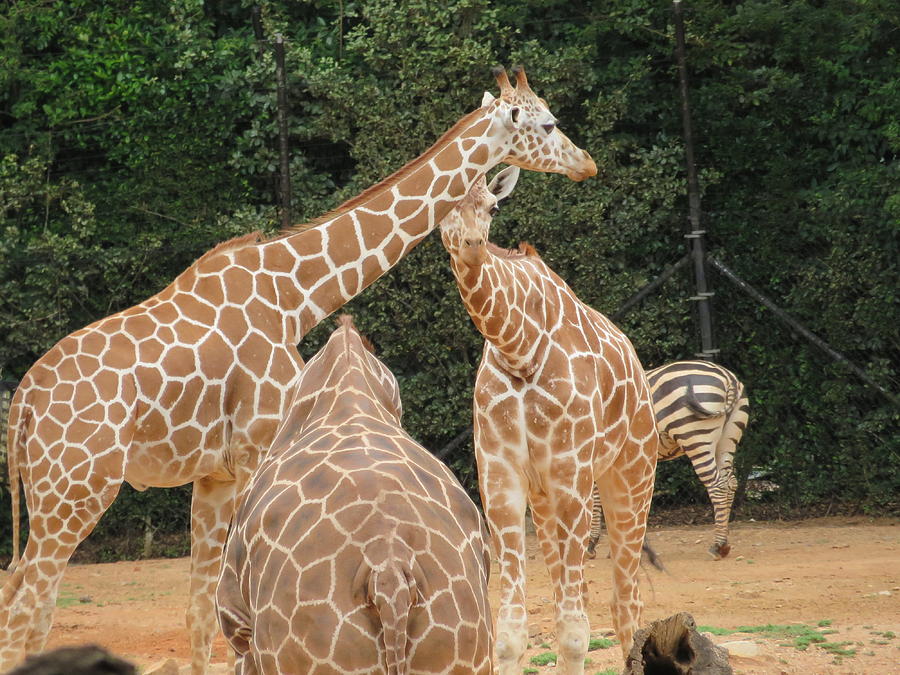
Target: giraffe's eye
[
  {"x": 494, "y": 210},
  {"x": 549, "y": 127}
]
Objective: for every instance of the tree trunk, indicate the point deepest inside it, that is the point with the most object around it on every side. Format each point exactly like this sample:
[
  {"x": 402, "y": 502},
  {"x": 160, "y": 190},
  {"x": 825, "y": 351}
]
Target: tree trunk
[{"x": 673, "y": 646}]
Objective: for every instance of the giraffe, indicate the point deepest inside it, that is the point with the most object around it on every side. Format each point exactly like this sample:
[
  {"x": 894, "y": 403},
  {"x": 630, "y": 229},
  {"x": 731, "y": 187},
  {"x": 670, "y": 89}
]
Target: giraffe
[
  {"x": 561, "y": 400},
  {"x": 190, "y": 385},
  {"x": 354, "y": 549}
]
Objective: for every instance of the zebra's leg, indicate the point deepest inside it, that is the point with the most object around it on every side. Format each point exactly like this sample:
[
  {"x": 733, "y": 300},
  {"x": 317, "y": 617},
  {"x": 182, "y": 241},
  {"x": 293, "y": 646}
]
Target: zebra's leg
[
  {"x": 596, "y": 524},
  {"x": 702, "y": 455},
  {"x": 725, "y": 449}
]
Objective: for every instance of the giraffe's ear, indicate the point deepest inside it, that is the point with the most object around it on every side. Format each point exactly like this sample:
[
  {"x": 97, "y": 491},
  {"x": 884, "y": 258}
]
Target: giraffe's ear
[
  {"x": 487, "y": 99},
  {"x": 504, "y": 182},
  {"x": 511, "y": 118}
]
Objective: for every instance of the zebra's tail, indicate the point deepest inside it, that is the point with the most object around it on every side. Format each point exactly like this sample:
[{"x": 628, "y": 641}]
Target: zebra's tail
[
  {"x": 653, "y": 556},
  {"x": 694, "y": 404},
  {"x": 392, "y": 590}
]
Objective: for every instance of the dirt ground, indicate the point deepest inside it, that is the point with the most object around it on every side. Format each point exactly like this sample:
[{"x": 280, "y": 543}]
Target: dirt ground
[{"x": 830, "y": 574}]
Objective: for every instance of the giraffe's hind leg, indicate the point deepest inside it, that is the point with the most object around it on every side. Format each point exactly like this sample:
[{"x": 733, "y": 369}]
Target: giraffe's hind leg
[
  {"x": 62, "y": 512},
  {"x": 212, "y": 508}
]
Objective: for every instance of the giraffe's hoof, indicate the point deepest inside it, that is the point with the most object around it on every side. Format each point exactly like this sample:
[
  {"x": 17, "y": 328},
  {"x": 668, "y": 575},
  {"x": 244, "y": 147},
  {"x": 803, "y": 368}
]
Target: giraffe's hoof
[
  {"x": 591, "y": 553},
  {"x": 719, "y": 551}
]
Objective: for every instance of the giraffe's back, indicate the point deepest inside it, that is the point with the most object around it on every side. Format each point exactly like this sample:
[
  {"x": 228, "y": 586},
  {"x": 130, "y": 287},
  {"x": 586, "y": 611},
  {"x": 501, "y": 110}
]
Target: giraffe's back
[{"x": 355, "y": 549}]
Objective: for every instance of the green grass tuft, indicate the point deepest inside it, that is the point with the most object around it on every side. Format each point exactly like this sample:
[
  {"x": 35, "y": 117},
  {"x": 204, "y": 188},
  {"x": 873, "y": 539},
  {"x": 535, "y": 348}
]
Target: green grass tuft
[
  {"x": 65, "y": 600},
  {"x": 600, "y": 643},
  {"x": 545, "y": 659},
  {"x": 837, "y": 648},
  {"x": 714, "y": 630}
]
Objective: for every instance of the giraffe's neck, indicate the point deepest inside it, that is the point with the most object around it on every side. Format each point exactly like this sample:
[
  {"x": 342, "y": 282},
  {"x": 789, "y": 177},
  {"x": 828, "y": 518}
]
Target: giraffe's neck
[
  {"x": 507, "y": 307},
  {"x": 312, "y": 273}
]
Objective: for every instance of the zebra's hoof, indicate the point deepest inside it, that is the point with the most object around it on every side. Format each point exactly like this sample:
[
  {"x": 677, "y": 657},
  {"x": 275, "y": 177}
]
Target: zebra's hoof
[
  {"x": 590, "y": 553},
  {"x": 719, "y": 551}
]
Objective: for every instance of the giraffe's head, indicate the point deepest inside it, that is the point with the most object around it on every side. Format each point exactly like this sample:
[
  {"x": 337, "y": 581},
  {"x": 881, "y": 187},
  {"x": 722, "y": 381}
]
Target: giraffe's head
[
  {"x": 465, "y": 229},
  {"x": 345, "y": 365},
  {"x": 534, "y": 139}
]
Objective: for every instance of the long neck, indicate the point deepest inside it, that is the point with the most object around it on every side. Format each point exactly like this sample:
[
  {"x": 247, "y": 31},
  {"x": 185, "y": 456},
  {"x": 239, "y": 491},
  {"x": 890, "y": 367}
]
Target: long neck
[
  {"x": 333, "y": 262},
  {"x": 506, "y": 304}
]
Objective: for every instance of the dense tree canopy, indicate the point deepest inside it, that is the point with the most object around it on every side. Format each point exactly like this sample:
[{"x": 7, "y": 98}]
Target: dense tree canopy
[{"x": 136, "y": 135}]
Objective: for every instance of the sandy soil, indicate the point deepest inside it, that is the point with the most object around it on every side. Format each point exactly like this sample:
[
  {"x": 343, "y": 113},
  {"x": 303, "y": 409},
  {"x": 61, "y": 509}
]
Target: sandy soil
[{"x": 845, "y": 571}]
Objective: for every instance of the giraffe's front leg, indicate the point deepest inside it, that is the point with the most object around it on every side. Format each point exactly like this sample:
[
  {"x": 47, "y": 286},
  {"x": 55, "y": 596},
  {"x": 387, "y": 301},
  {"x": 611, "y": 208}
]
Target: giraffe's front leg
[
  {"x": 503, "y": 497},
  {"x": 563, "y": 519},
  {"x": 625, "y": 490},
  {"x": 212, "y": 508}
]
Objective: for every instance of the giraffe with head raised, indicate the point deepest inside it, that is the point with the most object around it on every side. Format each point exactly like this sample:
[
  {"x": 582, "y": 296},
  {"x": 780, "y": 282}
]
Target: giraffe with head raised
[
  {"x": 561, "y": 399},
  {"x": 190, "y": 385},
  {"x": 354, "y": 549}
]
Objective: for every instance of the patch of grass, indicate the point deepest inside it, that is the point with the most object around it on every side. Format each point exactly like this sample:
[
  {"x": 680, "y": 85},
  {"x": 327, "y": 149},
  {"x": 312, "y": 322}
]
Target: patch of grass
[
  {"x": 889, "y": 634},
  {"x": 823, "y": 623},
  {"x": 588, "y": 662},
  {"x": 837, "y": 648},
  {"x": 608, "y": 671},
  {"x": 530, "y": 671},
  {"x": 600, "y": 643},
  {"x": 544, "y": 645},
  {"x": 65, "y": 600},
  {"x": 545, "y": 659},
  {"x": 714, "y": 630},
  {"x": 802, "y": 636}
]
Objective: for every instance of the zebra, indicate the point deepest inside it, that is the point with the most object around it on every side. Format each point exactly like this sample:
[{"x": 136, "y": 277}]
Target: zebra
[{"x": 701, "y": 411}]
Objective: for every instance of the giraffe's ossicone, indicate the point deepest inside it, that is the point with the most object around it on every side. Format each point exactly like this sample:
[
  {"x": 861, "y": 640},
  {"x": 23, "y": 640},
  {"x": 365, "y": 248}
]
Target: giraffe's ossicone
[
  {"x": 354, "y": 549},
  {"x": 190, "y": 385},
  {"x": 561, "y": 400}
]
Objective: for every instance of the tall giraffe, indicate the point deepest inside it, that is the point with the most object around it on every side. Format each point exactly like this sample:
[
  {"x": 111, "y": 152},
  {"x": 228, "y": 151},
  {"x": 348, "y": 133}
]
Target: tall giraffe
[
  {"x": 189, "y": 385},
  {"x": 561, "y": 400},
  {"x": 354, "y": 549}
]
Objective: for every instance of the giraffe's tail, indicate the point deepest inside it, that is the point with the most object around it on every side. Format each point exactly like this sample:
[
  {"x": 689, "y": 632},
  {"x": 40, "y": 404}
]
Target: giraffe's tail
[
  {"x": 15, "y": 441},
  {"x": 392, "y": 589}
]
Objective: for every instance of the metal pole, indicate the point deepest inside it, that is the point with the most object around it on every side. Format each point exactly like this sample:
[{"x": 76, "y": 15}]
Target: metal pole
[
  {"x": 649, "y": 288},
  {"x": 797, "y": 326},
  {"x": 695, "y": 232},
  {"x": 283, "y": 133}
]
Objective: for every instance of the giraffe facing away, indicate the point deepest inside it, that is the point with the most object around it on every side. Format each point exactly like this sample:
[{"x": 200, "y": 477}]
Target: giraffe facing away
[
  {"x": 561, "y": 400},
  {"x": 354, "y": 549},
  {"x": 190, "y": 385}
]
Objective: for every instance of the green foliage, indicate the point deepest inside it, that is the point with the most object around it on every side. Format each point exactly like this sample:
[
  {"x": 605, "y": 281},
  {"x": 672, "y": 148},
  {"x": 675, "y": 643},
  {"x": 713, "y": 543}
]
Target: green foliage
[
  {"x": 545, "y": 659},
  {"x": 802, "y": 636},
  {"x": 136, "y": 135},
  {"x": 600, "y": 643}
]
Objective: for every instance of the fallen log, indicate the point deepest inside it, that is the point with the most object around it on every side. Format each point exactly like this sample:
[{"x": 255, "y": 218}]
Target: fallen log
[{"x": 673, "y": 646}]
